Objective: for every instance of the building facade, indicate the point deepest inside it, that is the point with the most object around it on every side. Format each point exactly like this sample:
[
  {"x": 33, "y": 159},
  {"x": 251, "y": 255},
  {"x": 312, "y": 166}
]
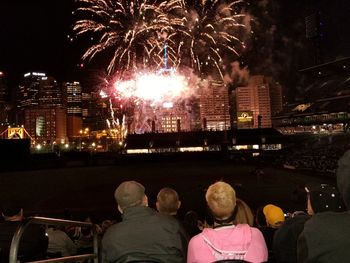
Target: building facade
[
  {"x": 214, "y": 106},
  {"x": 4, "y": 100},
  {"x": 257, "y": 102},
  {"x": 72, "y": 100},
  {"x": 40, "y": 108},
  {"x": 46, "y": 125}
]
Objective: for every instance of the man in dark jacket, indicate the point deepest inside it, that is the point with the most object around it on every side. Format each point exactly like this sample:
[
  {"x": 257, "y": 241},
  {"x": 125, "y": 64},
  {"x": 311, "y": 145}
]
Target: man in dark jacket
[
  {"x": 326, "y": 236},
  {"x": 143, "y": 234}
]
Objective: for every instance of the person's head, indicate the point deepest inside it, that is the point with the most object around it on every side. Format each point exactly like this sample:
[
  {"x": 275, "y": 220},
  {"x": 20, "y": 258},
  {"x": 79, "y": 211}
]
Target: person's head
[
  {"x": 244, "y": 213},
  {"x": 323, "y": 197},
  {"x": 343, "y": 178},
  {"x": 221, "y": 200},
  {"x": 12, "y": 212},
  {"x": 168, "y": 201},
  {"x": 274, "y": 216},
  {"x": 130, "y": 194}
]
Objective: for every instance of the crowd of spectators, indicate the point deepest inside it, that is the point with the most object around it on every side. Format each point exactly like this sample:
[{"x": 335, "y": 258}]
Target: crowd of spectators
[
  {"x": 233, "y": 231},
  {"x": 319, "y": 155}
]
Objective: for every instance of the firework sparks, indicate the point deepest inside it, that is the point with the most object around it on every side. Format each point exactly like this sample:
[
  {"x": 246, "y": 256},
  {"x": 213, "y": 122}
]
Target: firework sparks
[
  {"x": 211, "y": 32},
  {"x": 198, "y": 35},
  {"x": 133, "y": 31},
  {"x": 140, "y": 37}
]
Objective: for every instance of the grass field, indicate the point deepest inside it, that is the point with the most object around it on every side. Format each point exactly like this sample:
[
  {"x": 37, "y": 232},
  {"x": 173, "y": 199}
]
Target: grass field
[{"x": 90, "y": 189}]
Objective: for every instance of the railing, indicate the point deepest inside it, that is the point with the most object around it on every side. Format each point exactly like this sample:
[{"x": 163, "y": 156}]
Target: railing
[{"x": 52, "y": 221}]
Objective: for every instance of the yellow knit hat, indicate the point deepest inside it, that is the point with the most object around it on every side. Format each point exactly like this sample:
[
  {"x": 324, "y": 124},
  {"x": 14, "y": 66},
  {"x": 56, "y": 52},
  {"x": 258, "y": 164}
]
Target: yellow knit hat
[{"x": 274, "y": 215}]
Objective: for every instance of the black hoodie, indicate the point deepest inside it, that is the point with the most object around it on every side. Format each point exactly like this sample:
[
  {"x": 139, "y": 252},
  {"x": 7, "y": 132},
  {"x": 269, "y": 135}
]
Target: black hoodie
[{"x": 326, "y": 236}]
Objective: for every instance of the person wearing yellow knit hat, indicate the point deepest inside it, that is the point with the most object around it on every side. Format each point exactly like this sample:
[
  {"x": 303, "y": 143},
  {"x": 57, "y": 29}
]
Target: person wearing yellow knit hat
[
  {"x": 274, "y": 215},
  {"x": 274, "y": 218}
]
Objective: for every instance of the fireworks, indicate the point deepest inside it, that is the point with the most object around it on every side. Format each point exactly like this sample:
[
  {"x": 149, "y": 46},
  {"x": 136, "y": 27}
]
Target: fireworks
[
  {"x": 133, "y": 33},
  {"x": 211, "y": 33},
  {"x": 151, "y": 45},
  {"x": 154, "y": 88}
]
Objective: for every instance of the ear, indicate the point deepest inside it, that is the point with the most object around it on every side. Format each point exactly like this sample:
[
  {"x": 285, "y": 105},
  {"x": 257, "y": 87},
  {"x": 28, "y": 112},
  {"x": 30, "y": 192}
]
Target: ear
[
  {"x": 120, "y": 209},
  {"x": 157, "y": 205},
  {"x": 145, "y": 200},
  {"x": 178, "y": 205}
]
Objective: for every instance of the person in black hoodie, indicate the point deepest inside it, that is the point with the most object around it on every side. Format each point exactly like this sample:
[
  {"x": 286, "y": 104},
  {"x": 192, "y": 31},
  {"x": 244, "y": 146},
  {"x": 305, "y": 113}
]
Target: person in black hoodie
[
  {"x": 326, "y": 236},
  {"x": 320, "y": 198}
]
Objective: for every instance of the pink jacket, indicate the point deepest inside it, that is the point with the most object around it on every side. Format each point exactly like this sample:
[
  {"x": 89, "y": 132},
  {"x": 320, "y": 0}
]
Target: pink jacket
[{"x": 229, "y": 242}]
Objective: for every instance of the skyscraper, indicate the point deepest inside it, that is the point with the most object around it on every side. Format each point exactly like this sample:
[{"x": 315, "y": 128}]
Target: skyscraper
[
  {"x": 37, "y": 89},
  {"x": 73, "y": 102},
  {"x": 4, "y": 106},
  {"x": 95, "y": 111},
  {"x": 40, "y": 108},
  {"x": 257, "y": 102},
  {"x": 214, "y": 106}
]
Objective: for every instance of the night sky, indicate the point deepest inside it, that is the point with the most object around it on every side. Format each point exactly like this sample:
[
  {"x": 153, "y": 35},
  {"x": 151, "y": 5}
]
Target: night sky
[{"x": 34, "y": 37}]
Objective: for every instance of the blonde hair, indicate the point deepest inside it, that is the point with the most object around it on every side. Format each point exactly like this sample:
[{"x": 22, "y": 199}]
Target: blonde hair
[
  {"x": 244, "y": 213},
  {"x": 221, "y": 199}
]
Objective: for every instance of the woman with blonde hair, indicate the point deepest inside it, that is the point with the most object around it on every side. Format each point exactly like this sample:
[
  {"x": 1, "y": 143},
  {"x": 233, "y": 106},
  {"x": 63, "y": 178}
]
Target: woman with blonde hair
[
  {"x": 244, "y": 214},
  {"x": 226, "y": 240}
]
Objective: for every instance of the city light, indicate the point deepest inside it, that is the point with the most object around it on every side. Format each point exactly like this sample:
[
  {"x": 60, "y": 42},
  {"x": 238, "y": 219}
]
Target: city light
[{"x": 37, "y": 74}]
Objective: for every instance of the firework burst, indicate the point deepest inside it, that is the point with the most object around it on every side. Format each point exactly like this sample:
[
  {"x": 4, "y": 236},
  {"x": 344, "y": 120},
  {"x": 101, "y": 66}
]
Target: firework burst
[
  {"x": 133, "y": 31},
  {"x": 211, "y": 33}
]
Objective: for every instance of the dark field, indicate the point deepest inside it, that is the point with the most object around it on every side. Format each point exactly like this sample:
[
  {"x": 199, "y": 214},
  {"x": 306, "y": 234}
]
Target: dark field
[{"x": 90, "y": 189}]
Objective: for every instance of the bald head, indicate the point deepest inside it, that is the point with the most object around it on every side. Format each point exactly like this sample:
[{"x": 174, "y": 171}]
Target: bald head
[
  {"x": 129, "y": 194},
  {"x": 168, "y": 201}
]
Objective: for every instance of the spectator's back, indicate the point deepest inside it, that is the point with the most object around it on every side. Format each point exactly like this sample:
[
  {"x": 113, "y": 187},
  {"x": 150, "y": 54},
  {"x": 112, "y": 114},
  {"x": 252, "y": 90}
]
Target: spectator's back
[{"x": 326, "y": 236}]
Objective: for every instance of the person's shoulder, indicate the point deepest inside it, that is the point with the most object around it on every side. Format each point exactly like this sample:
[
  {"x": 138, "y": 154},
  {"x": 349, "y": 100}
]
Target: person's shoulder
[
  {"x": 329, "y": 217},
  {"x": 254, "y": 230},
  {"x": 113, "y": 229},
  {"x": 199, "y": 237}
]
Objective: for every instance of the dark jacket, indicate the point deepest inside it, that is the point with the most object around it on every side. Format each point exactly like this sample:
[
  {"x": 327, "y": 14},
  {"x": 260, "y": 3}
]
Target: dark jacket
[
  {"x": 268, "y": 233},
  {"x": 326, "y": 236},
  {"x": 144, "y": 234},
  {"x": 32, "y": 246},
  {"x": 286, "y": 238}
]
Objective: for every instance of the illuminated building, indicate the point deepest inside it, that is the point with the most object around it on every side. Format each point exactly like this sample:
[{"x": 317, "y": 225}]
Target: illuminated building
[
  {"x": 174, "y": 118},
  {"x": 168, "y": 117},
  {"x": 41, "y": 109},
  {"x": 72, "y": 97},
  {"x": 4, "y": 97},
  {"x": 257, "y": 102},
  {"x": 214, "y": 106},
  {"x": 37, "y": 89},
  {"x": 46, "y": 125},
  {"x": 73, "y": 102},
  {"x": 95, "y": 111}
]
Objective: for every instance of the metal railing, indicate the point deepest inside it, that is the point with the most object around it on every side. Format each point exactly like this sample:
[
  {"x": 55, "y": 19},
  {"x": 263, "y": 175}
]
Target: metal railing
[{"x": 53, "y": 221}]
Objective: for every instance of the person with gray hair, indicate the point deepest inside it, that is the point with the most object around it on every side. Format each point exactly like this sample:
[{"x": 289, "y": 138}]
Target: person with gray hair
[
  {"x": 326, "y": 236},
  {"x": 143, "y": 233}
]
